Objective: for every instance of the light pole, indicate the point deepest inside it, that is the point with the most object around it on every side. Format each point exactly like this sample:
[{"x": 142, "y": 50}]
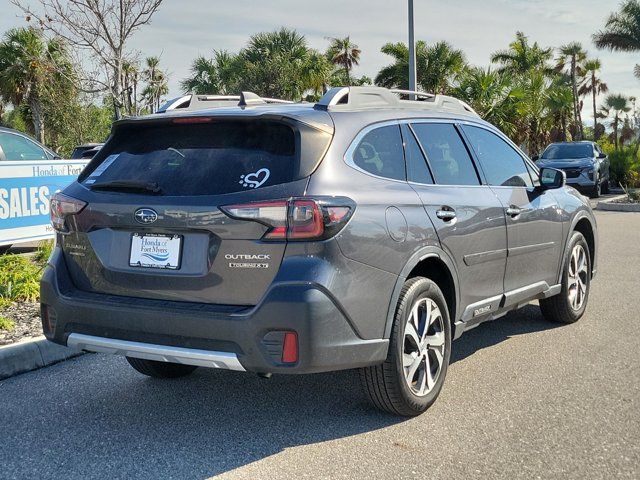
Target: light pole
[{"x": 412, "y": 54}]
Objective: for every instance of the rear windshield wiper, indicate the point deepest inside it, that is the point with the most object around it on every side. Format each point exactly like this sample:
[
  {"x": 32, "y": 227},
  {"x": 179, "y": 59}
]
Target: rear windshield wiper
[{"x": 128, "y": 185}]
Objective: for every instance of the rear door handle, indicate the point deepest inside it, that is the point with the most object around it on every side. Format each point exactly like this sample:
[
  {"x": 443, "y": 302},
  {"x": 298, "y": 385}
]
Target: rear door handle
[
  {"x": 446, "y": 214},
  {"x": 513, "y": 211}
]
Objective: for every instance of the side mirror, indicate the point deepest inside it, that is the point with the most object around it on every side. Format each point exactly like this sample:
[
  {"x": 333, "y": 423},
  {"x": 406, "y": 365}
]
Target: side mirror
[
  {"x": 535, "y": 158},
  {"x": 602, "y": 155},
  {"x": 552, "y": 178}
]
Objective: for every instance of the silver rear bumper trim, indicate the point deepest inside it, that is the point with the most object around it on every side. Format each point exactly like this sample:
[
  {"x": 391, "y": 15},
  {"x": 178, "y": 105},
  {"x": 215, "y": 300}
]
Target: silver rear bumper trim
[{"x": 159, "y": 353}]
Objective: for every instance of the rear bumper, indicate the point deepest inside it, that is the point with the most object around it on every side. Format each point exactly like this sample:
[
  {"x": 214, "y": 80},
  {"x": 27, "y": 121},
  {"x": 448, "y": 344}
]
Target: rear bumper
[{"x": 252, "y": 337}]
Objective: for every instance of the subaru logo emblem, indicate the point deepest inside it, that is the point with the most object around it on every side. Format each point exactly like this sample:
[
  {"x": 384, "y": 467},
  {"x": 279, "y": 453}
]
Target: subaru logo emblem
[{"x": 145, "y": 215}]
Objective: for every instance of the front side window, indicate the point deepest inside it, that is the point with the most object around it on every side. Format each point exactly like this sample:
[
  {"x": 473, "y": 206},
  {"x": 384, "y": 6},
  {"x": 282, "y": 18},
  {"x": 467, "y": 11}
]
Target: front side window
[
  {"x": 16, "y": 147},
  {"x": 502, "y": 165},
  {"x": 448, "y": 157},
  {"x": 380, "y": 153}
]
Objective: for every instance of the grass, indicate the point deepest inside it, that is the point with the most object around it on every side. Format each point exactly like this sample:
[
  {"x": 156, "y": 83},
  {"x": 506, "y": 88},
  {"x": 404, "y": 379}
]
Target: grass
[
  {"x": 20, "y": 275},
  {"x": 6, "y": 324},
  {"x": 44, "y": 251},
  {"x": 19, "y": 278}
]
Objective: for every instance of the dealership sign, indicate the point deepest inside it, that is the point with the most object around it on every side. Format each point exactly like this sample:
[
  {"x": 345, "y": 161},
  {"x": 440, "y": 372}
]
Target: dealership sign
[{"x": 25, "y": 190}]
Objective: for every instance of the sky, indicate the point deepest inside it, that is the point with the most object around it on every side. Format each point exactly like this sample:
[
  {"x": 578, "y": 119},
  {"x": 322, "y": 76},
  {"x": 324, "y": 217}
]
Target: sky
[{"x": 184, "y": 29}]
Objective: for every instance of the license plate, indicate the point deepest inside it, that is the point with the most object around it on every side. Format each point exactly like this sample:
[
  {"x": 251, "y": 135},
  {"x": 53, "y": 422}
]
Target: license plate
[{"x": 155, "y": 251}]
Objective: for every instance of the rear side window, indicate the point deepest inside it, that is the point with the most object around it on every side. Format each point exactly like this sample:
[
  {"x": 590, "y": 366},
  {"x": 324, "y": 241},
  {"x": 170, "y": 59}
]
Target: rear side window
[
  {"x": 502, "y": 165},
  {"x": 380, "y": 153},
  {"x": 200, "y": 159},
  {"x": 448, "y": 157}
]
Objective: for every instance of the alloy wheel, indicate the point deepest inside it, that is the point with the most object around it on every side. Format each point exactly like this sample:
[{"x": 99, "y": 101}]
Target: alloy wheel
[
  {"x": 577, "y": 278},
  {"x": 424, "y": 346}
]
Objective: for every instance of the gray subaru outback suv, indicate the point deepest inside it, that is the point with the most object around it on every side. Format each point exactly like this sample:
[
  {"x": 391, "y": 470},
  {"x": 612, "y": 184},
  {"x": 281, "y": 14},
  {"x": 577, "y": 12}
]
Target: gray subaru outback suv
[{"x": 365, "y": 231}]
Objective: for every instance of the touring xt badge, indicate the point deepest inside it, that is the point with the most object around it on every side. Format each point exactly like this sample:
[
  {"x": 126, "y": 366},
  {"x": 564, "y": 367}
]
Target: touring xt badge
[{"x": 247, "y": 263}]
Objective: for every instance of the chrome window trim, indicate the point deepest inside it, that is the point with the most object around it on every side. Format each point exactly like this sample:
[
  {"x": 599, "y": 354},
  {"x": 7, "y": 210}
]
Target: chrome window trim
[{"x": 348, "y": 156}]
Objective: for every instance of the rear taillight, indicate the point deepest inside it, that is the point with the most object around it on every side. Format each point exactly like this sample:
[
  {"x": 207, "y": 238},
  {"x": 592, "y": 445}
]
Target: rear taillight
[
  {"x": 296, "y": 218},
  {"x": 61, "y": 207}
]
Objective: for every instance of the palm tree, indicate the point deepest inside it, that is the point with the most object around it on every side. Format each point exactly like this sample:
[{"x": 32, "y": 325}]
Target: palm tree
[
  {"x": 622, "y": 30},
  {"x": 212, "y": 76},
  {"x": 344, "y": 53},
  {"x": 30, "y": 65},
  {"x": 280, "y": 64},
  {"x": 316, "y": 72},
  {"x": 533, "y": 110},
  {"x": 130, "y": 75},
  {"x": 437, "y": 66},
  {"x": 618, "y": 104},
  {"x": 571, "y": 58},
  {"x": 521, "y": 58},
  {"x": 156, "y": 83},
  {"x": 594, "y": 86},
  {"x": 492, "y": 94},
  {"x": 560, "y": 104}
]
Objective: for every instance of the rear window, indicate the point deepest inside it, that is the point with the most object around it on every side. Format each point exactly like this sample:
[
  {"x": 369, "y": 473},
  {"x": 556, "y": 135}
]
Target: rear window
[{"x": 200, "y": 159}]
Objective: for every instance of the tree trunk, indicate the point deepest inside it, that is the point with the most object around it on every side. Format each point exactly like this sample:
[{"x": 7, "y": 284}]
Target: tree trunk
[
  {"x": 615, "y": 131},
  {"x": 116, "y": 90},
  {"x": 38, "y": 118},
  {"x": 576, "y": 115}
]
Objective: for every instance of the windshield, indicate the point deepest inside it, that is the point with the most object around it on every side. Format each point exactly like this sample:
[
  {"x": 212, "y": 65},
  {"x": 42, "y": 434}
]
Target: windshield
[
  {"x": 564, "y": 151},
  {"x": 199, "y": 159}
]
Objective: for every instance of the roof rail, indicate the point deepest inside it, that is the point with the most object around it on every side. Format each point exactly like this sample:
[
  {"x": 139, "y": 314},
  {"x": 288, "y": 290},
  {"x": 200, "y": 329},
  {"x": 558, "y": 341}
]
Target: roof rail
[
  {"x": 413, "y": 92},
  {"x": 359, "y": 98},
  {"x": 192, "y": 101}
]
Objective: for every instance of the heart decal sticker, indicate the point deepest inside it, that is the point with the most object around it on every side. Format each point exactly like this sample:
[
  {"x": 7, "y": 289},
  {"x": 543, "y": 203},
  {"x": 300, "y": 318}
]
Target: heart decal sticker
[{"x": 255, "y": 179}]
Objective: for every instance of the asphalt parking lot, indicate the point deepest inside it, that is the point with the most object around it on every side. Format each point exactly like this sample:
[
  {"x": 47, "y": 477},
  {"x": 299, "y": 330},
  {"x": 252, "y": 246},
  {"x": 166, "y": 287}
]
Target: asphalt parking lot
[{"x": 523, "y": 399}]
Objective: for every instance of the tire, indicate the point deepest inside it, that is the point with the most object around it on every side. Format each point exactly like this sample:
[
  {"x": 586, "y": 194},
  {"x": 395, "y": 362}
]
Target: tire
[
  {"x": 596, "y": 190},
  {"x": 155, "y": 369},
  {"x": 569, "y": 305},
  {"x": 605, "y": 187},
  {"x": 386, "y": 385}
]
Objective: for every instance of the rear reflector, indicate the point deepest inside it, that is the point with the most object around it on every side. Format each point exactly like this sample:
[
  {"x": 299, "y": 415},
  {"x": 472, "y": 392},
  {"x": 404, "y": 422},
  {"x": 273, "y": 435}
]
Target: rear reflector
[
  {"x": 48, "y": 317},
  {"x": 290, "y": 348}
]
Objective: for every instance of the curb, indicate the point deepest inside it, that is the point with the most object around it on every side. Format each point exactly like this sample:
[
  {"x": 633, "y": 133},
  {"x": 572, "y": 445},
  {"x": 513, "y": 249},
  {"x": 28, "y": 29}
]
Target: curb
[
  {"x": 608, "y": 205},
  {"x": 32, "y": 354}
]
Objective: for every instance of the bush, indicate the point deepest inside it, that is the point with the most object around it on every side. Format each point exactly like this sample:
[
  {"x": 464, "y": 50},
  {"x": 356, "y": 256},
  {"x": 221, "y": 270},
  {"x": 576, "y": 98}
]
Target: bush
[
  {"x": 625, "y": 167},
  {"x": 44, "y": 251},
  {"x": 6, "y": 324},
  {"x": 19, "y": 278}
]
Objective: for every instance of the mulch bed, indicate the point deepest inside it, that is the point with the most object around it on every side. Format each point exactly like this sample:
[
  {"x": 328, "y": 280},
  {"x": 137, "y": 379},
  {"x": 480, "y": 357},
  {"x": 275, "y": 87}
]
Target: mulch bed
[{"x": 26, "y": 315}]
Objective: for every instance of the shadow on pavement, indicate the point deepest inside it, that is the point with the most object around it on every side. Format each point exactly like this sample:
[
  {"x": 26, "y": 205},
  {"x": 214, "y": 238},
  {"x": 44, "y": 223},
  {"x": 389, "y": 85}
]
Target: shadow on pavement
[
  {"x": 526, "y": 320},
  {"x": 95, "y": 417}
]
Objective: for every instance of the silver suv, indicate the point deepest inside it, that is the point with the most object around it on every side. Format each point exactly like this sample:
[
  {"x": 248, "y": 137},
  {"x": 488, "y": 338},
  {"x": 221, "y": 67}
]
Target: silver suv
[{"x": 365, "y": 231}]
